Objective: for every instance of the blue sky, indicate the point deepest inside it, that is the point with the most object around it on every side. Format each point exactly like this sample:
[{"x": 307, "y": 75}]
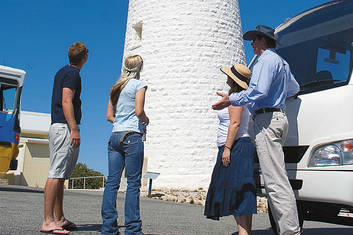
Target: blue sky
[{"x": 35, "y": 36}]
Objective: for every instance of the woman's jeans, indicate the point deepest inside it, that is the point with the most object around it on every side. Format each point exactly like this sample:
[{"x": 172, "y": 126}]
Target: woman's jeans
[{"x": 128, "y": 154}]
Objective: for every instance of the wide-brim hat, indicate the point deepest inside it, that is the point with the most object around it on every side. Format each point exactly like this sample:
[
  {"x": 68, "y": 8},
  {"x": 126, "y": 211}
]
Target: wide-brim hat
[
  {"x": 260, "y": 30},
  {"x": 239, "y": 73}
]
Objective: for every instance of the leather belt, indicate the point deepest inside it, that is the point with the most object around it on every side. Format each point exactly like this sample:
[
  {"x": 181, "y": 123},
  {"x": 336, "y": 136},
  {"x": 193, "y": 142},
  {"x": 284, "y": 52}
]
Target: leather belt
[
  {"x": 127, "y": 133},
  {"x": 267, "y": 110}
]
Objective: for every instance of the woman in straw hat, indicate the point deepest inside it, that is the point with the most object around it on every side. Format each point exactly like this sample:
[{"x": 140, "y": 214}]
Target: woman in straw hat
[
  {"x": 232, "y": 187},
  {"x": 126, "y": 112}
]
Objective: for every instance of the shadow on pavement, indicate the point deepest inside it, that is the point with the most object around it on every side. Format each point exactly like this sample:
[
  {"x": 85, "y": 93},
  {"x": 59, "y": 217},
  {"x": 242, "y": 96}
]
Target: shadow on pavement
[
  {"x": 89, "y": 227},
  {"x": 310, "y": 231},
  {"x": 333, "y": 231},
  {"x": 93, "y": 227},
  {"x": 15, "y": 188}
]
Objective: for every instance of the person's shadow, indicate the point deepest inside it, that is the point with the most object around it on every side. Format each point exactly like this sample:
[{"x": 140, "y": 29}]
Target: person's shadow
[
  {"x": 310, "y": 231},
  {"x": 307, "y": 231},
  {"x": 97, "y": 228},
  {"x": 89, "y": 227}
]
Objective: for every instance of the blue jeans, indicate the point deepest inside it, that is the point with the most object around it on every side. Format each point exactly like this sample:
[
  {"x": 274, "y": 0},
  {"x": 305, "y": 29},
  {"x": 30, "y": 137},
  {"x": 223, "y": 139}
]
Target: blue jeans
[{"x": 128, "y": 154}]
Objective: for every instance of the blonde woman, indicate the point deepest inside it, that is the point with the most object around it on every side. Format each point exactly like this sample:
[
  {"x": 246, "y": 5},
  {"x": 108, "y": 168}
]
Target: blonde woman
[
  {"x": 125, "y": 148},
  {"x": 232, "y": 187}
]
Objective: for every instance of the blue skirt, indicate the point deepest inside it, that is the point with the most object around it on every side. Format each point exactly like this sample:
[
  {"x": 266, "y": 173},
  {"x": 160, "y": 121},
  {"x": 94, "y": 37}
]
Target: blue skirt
[{"x": 232, "y": 189}]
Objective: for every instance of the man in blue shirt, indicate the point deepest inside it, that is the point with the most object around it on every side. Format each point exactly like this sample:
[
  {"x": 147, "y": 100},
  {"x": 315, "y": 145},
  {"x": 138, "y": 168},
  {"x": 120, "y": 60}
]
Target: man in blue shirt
[
  {"x": 64, "y": 138},
  {"x": 270, "y": 85}
]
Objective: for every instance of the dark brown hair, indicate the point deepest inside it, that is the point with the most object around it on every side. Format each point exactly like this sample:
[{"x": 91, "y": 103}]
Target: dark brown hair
[
  {"x": 234, "y": 88},
  {"x": 269, "y": 41},
  {"x": 77, "y": 52}
]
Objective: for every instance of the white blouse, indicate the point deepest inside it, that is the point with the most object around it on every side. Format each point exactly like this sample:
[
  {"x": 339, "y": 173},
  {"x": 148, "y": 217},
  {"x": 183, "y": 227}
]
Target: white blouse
[{"x": 224, "y": 120}]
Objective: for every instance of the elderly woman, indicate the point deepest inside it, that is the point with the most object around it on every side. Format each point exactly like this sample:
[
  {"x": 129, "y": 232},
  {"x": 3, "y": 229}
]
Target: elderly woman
[
  {"x": 232, "y": 187},
  {"x": 125, "y": 148}
]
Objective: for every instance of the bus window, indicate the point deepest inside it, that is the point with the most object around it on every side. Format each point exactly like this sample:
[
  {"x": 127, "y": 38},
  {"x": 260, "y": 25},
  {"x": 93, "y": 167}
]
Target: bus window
[
  {"x": 321, "y": 63},
  {"x": 334, "y": 63},
  {"x": 318, "y": 47}
]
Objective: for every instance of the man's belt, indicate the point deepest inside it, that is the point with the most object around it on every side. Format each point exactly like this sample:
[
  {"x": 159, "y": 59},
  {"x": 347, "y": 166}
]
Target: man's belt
[{"x": 267, "y": 110}]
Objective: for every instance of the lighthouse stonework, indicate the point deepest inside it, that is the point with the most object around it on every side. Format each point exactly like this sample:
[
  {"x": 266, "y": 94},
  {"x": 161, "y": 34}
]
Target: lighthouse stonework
[{"x": 183, "y": 44}]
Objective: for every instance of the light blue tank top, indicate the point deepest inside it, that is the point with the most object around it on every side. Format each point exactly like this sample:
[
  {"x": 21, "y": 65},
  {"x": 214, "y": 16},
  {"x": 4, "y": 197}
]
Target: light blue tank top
[{"x": 125, "y": 116}]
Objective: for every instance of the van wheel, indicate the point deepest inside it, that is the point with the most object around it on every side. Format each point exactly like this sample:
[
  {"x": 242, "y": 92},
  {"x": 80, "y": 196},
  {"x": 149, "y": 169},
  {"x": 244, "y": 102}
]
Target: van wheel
[{"x": 273, "y": 222}]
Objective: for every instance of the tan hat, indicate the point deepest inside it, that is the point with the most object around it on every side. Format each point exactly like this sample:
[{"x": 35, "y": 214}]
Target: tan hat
[{"x": 239, "y": 73}]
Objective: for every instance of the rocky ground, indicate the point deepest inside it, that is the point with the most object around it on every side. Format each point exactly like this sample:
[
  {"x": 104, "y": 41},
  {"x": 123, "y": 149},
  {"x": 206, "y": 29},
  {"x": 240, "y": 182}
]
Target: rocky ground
[{"x": 196, "y": 197}]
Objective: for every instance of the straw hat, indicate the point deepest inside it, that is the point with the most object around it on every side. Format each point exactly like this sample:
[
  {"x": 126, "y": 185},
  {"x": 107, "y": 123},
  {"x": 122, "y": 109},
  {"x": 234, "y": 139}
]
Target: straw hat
[{"x": 239, "y": 73}]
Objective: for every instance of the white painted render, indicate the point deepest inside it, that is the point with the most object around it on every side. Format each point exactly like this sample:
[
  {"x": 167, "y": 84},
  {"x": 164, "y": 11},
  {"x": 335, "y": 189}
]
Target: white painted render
[
  {"x": 33, "y": 157},
  {"x": 183, "y": 44},
  {"x": 32, "y": 122}
]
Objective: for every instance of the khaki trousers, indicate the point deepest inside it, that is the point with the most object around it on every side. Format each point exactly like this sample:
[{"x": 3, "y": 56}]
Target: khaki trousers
[{"x": 270, "y": 132}]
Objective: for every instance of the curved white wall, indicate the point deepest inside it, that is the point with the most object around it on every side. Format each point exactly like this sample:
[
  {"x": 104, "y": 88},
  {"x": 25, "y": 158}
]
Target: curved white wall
[{"x": 183, "y": 44}]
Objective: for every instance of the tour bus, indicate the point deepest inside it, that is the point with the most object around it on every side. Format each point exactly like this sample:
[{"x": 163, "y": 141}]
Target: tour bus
[
  {"x": 318, "y": 45},
  {"x": 11, "y": 82}
]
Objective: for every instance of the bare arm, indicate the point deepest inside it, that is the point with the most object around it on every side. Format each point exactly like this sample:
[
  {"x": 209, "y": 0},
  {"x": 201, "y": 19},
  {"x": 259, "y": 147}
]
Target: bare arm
[
  {"x": 235, "y": 119},
  {"x": 110, "y": 112},
  {"x": 68, "y": 110},
  {"x": 139, "y": 106}
]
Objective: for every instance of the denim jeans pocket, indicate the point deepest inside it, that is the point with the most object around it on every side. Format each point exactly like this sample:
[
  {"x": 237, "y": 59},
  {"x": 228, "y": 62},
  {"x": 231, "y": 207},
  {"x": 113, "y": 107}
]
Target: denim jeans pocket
[
  {"x": 114, "y": 141},
  {"x": 132, "y": 139},
  {"x": 132, "y": 144}
]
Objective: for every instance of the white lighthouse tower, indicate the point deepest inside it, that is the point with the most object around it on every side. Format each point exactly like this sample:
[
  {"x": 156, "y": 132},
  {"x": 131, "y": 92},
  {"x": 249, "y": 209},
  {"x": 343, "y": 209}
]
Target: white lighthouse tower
[{"x": 183, "y": 44}]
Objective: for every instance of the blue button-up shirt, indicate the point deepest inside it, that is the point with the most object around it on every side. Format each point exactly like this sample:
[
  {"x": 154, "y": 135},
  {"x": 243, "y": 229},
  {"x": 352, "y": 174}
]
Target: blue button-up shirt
[{"x": 271, "y": 83}]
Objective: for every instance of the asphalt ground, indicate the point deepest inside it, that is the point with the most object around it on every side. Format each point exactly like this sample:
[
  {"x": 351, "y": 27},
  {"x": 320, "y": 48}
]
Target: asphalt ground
[{"x": 22, "y": 213}]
